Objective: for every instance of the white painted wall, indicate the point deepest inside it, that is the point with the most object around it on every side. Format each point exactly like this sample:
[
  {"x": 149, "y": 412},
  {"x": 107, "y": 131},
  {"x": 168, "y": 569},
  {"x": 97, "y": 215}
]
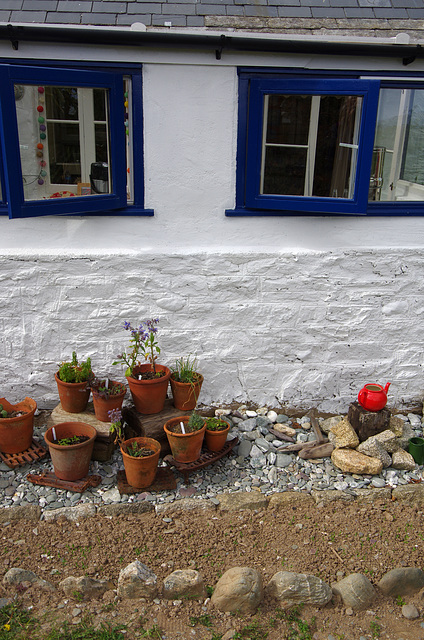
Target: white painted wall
[{"x": 299, "y": 310}]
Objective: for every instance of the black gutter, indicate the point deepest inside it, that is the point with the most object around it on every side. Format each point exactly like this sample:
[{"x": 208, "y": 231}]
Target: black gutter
[{"x": 204, "y": 42}]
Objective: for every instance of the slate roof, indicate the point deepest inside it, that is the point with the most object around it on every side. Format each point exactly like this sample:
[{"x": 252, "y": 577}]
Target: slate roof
[{"x": 335, "y": 17}]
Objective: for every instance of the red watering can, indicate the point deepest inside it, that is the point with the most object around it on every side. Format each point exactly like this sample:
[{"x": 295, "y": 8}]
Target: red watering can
[{"x": 373, "y": 397}]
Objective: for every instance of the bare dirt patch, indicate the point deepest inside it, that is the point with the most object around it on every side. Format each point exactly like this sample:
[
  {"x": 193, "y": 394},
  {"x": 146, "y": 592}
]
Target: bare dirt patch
[{"x": 331, "y": 541}]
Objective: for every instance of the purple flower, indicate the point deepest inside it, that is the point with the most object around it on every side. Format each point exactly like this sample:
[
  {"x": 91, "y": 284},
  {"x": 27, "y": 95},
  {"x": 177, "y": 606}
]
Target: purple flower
[
  {"x": 115, "y": 415},
  {"x": 127, "y": 325}
]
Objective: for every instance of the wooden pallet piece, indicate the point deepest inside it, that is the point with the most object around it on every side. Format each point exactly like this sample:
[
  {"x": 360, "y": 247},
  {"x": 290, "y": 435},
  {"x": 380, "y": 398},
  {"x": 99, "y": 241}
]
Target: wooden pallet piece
[
  {"x": 206, "y": 458},
  {"x": 48, "y": 479},
  {"x": 35, "y": 453},
  {"x": 164, "y": 481}
]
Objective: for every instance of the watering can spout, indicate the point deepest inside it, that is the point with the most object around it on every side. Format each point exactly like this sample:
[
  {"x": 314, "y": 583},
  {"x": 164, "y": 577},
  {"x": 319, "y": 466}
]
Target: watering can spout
[{"x": 386, "y": 388}]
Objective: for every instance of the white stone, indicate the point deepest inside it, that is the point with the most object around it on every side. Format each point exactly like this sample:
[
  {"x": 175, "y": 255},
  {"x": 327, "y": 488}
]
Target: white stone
[{"x": 272, "y": 416}]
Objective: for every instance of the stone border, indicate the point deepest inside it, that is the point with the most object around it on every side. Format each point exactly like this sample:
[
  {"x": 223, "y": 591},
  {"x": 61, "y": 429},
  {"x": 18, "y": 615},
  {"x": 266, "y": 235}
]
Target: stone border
[{"x": 410, "y": 494}]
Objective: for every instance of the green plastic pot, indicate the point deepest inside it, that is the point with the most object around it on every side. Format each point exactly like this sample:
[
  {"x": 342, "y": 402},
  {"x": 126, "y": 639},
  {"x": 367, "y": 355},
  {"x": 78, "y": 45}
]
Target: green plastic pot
[{"x": 416, "y": 449}]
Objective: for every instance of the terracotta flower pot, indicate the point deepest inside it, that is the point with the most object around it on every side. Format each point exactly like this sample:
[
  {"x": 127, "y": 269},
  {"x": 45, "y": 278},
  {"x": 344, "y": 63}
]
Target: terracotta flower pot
[
  {"x": 141, "y": 472},
  {"x": 71, "y": 461},
  {"x": 73, "y": 395},
  {"x": 185, "y": 447},
  {"x": 186, "y": 394},
  {"x": 149, "y": 395},
  {"x": 215, "y": 440},
  {"x": 102, "y": 405},
  {"x": 16, "y": 433}
]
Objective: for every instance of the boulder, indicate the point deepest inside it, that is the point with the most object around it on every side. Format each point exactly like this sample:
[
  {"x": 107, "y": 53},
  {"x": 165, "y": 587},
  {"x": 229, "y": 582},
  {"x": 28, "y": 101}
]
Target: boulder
[
  {"x": 396, "y": 425},
  {"x": 327, "y": 424},
  {"x": 342, "y": 435},
  {"x": 137, "y": 581},
  {"x": 88, "y": 587},
  {"x": 402, "y": 582},
  {"x": 356, "y": 591},
  {"x": 184, "y": 584},
  {"x": 351, "y": 461},
  {"x": 74, "y": 514},
  {"x": 16, "y": 577},
  {"x": 373, "y": 448},
  {"x": 293, "y": 588},
  {"x": 388, "y": 440},
  {"x": 242, "y": 500},
  {"x": 240, "y": 589},
  {"x": 401, "y": 459}
]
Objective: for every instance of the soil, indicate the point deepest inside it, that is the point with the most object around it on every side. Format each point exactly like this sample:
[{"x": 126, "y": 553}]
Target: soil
[{"x": 330, "y": 541}]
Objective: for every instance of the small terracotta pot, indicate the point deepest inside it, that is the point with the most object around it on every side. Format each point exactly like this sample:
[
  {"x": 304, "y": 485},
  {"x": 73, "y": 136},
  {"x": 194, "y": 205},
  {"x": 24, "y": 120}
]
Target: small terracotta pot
[
  {"x": 141, "y": 472},
  {"x": 73, "y": 395},
  {"x": 149, "y": 395},
  {"x": 16, "y": 433},
  {"x": 72, "y": 461},
  {"x": 102, "y": 406},
  {"x": 186, "y": 394},
  {"x": 185, "y": 447},
  {"x": 215, "y": 440}
]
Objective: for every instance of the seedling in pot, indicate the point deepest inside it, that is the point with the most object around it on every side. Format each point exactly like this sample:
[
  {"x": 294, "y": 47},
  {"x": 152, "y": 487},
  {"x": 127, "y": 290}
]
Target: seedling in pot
[
  {"x": 74, "y": 371},
  {"x": 136, "y": 451}
]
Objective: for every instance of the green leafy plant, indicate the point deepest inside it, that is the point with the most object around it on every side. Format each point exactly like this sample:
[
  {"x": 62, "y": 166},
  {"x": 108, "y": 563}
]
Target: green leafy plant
[
  {"x": 3, "y": 412},
  {"x": 375, "y": 628},
  {"x": 106, "y": 388},
  {"x": 75, "y": 371},
  {"x": 216, "y": 424},
  {"x": 400, "y": 601},
  {"x": 71, "y": 440},
  {"x": 137, "y": 451},
  {"x": 184, "y": 370},
  {"x": 298, "y": 629},
  {"x": 195, "y": 422},
  {"x": 205, "y": 620}
]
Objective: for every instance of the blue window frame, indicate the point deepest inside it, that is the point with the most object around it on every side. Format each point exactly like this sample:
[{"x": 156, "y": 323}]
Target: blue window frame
[
  {"x": 305, "y": 145},
  {"x": 90, "y": 127}
]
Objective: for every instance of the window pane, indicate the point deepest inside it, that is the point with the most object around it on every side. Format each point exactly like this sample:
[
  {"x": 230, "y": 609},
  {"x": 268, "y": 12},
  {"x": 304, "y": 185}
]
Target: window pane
[
  {"x": 397, "y": 171},
  {"x": 288, "y": 119},
  {"x": 285, "y": 173},
  {"x": 311, "y": 145},
  {"x": 64, "y": 149}
]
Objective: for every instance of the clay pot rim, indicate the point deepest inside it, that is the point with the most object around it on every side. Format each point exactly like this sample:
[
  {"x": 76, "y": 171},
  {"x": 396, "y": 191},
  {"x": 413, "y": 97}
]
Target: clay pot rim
[
  {"x": 97, "y": 394},
  {"x": 26, "y": 403},
  {"x": 181, "y": 435},
  {"x": 227, "y": 428},
  {"x": 198, "y": 381},
  {"x": 147, "y": 367},
  {"x": 76, "y": 425},
  {"x": 69, "y": 384},
  {"x": 143, "y": 441}
]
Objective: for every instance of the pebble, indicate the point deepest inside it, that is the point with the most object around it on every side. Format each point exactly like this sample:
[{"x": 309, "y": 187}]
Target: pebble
[{"x": 258, "y": 465}]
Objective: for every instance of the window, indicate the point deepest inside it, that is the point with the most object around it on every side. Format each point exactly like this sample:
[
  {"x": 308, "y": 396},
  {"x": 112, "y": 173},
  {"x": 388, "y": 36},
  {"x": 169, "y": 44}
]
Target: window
[
  {"x": 71, "y": 140},
  {"x": 322, "y": 144}
]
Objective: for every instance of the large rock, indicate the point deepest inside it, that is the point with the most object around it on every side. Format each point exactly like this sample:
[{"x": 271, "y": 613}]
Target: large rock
[
  {"x": 327, "y": 424},
  {"x": 184, "y": 584},
  {"x": 402, "y": 582},
  {"x": 21, "y": 577},
  {"x": 290, "y": 498},
  {"x": 21, "y": 512},
  {"x": 242, "y": 500},
  {"x": 137, "y": 581},
  {"x": 342, "y": 435},
  {"x": 75, "y": 514},
  {"x": 403, "y": 460},
  {"x": 88, "y": 588},
  {"x": 240, "y": 589},
  {"x": 351, "y": 461},
  {"x": 356, "y": 591},
  {"x": 396, "y": 425},
  {"x": 292, "y": 588},
  {"x": 375, "y": 449},
  {"x": 412, "y": 494},
  {"x": 388, "y": 440}
]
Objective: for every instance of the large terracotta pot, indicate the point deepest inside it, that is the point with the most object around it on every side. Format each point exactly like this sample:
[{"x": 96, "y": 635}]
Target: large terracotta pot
[
  {"x": 73, "y": 395},
  {"x": 215, "y": 440},
  {"x": 102, "y": 405},
  {"x": 71, "y": 462},
  {"x": 186, "y": 394},
  {"x": 16, "y": 433},
  {"x": 141, "y": 472},
  {"x": 185, "y": 447},
  {"x": 149, "y": 395}
]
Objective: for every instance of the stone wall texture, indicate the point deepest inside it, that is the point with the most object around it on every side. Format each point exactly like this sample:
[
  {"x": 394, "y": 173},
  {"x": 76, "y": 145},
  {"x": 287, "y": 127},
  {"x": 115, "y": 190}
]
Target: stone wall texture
[{"x": 294, "y": 329}]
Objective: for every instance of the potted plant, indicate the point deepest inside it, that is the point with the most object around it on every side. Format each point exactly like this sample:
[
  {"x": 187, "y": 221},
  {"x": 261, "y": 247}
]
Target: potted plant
[
  {"x": 148, "y": 382},
  {"x": 186, "y": 383},
  {"x": 185, "y": 436},
  {"x": 107, "y": 395},
  {"x": 216, "y": 433},
  {"x": 72, "y": 379},
  {"x": 140, "y": 455},
  {"x": 16, "y": 425},
  {"x": 71, "y": 446}
]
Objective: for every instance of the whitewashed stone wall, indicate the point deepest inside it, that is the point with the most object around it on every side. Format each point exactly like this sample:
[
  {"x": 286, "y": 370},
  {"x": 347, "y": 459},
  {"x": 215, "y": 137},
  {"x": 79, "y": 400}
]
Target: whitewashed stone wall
[{"x": 297, "y": 329}]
